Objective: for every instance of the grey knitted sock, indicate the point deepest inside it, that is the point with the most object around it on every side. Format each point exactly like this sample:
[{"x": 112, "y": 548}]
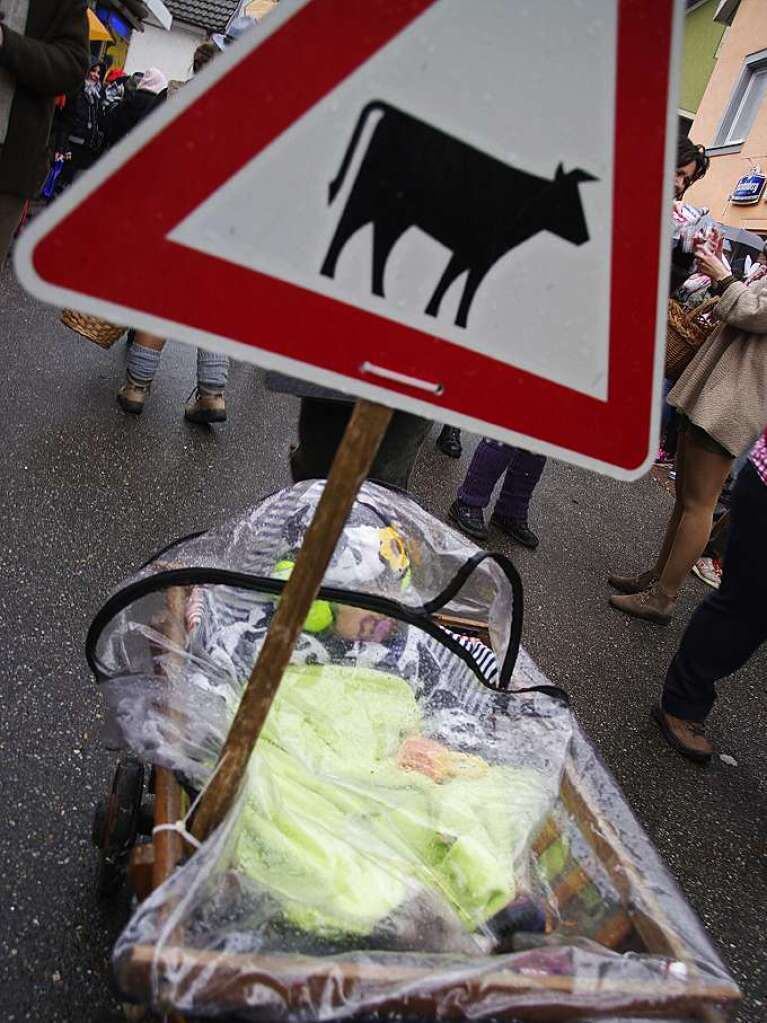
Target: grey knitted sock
[
  {"x": 142, "y": 363},
  {"x": 212, "y": 371}
]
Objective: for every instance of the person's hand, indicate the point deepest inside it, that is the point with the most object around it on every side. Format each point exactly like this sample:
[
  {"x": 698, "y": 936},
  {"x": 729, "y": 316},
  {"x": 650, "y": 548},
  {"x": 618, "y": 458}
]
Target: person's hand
[{"x": 709, "y": 263}]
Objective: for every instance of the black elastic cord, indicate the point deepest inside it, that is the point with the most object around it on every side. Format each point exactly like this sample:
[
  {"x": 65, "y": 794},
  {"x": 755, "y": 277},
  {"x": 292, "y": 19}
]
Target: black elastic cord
[
  {"x": 418, "y": 617},
  {"x": 460, "y": 579}
]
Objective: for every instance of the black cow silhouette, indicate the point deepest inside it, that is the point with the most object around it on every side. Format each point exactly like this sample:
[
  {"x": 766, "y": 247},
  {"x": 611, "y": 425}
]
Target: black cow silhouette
[{"x": 413, "y": 175}]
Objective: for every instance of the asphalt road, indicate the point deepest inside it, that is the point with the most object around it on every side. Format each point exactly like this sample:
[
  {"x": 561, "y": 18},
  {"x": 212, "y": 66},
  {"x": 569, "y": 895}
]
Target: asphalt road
[{"x": 88, "y": 494}]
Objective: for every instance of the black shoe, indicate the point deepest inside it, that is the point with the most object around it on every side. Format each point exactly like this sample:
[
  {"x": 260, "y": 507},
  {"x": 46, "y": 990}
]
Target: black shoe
[
  {"x": 519, "y": 532},
  {"x": 469, "y": 519},
  {"x": 449, "y": 442}
]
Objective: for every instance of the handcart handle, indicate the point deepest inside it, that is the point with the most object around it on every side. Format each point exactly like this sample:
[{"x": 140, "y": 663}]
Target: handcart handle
[{"x": 353, "y": 460}]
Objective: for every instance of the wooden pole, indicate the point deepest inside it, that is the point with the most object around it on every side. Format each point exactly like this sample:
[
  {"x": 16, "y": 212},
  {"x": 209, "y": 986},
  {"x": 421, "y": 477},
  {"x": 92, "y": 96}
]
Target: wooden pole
[
  {"x": 353, "y": 460},
  {"x": 168, "y": 849}
]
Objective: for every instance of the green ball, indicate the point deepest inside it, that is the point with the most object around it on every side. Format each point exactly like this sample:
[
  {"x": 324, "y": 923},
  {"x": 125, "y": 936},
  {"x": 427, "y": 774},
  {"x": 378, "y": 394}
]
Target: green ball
[
  {"x": 283, "y": 569},
  {"x": 320, "y": 617}
]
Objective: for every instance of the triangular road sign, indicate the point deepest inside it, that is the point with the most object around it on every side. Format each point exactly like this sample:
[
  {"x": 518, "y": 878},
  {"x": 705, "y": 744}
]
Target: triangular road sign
[{"x": 454, "y": 208}]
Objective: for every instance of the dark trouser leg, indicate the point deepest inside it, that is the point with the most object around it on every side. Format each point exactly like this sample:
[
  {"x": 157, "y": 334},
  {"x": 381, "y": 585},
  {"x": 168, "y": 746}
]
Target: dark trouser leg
[
  {"x": 11, "y": 209},
  {"x": 717, "y": 542},
  {"x": 490, "y": 461},
  {"x": 731, "y": 623},
  {"x": 80, "y": 160},
  {"x": 518, "y": 486},
  {"x": 399, "y": 449},
  {"x": 321, "y": 425},
  {"x": 671, "y": 439},
  {"x": 668, "y": 421}
]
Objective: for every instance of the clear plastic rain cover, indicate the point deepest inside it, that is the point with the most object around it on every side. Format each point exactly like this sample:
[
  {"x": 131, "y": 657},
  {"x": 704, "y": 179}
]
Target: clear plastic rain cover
[{"x": 424, "y": 830}]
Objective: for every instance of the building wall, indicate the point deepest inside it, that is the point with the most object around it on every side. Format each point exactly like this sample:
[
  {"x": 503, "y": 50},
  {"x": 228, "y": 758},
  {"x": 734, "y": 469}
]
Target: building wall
[
  {"x": 171, "y": 52},
  {"x": 702, "y": 36},
  {"x": 746, "y": 35}
]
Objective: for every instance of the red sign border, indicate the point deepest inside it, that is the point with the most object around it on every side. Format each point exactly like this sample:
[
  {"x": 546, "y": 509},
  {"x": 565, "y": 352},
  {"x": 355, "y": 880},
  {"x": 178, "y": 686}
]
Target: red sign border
[{"x": 211, "y": 140}]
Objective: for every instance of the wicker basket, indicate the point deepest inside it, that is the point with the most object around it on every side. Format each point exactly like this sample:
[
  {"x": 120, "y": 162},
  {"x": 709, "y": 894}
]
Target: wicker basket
[
  {"x": 685, "y": 333},
  {"x": 102, "y": 332}
]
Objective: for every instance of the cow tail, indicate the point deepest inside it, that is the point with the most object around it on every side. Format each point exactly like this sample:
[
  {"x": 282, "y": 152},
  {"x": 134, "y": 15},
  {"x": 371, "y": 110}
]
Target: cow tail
[{"x": 338, "y": 180}]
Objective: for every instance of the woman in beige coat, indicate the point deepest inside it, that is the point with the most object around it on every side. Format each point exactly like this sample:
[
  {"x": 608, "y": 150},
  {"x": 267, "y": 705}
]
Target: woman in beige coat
[{"x": 722, "y": 401}]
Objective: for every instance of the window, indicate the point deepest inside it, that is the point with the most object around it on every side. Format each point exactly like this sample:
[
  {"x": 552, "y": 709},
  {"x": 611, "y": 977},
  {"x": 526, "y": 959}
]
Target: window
[
  {"x": 747, "y": 108},
  {"x": 745, "y": 102},
  {"x": 685, "y": 123}
]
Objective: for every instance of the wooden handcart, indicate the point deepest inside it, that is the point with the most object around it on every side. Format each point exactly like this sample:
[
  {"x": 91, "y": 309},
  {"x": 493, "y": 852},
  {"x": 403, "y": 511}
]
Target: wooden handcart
[{"x": 600, "y": 888}]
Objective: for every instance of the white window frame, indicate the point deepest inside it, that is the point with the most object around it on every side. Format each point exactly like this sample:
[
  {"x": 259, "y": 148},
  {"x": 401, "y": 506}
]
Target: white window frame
[{"x": 753, "y": 64}]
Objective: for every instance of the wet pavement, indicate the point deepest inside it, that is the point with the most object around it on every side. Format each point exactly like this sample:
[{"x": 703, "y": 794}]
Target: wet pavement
[{"x": 89, "y": 493}]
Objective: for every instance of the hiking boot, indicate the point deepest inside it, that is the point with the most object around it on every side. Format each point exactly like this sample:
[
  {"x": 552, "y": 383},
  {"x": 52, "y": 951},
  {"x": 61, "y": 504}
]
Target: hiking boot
[
  {"x": 686, "y": 737},
  {"x": 652, "y": 605},
  {"x": 469, "y": 519},
  {"x": 132, "y": 395},
  {"x": 633, "y": 583},
  {"x": 449, "y": 442},
  {"x": 519, "y": 532},
  {"x": 205, "y": 407}
]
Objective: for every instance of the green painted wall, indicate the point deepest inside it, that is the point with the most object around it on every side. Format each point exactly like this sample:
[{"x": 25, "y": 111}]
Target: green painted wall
[{"x": 701, "y": 38}]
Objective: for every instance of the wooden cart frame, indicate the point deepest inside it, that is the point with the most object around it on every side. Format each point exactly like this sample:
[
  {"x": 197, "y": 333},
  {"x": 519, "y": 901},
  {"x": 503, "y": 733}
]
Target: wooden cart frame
[{"x": 222, "y": 981}]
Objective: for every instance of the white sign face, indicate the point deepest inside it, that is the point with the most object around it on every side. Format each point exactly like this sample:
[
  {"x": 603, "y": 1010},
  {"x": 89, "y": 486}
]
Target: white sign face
[
  {"x": 458, "y": 209},
  {"x": 523, "y": 105}
]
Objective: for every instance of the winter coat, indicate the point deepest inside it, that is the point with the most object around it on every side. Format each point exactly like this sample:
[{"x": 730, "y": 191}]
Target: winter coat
[
  {"x": 46, "y": 58},
  {"x": 81, "y": 122},
  {"x": 127, "y": 114},
  {"x": 724, "y": 389}
]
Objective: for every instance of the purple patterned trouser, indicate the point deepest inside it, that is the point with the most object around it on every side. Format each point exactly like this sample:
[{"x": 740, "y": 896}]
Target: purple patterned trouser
[{"x": 491, "y": 459}]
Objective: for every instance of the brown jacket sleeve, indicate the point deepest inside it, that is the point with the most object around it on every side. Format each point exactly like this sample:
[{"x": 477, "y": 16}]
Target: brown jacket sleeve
[
  {"x": 56, "y": 64},
  {"x": 744, "y": 308}
]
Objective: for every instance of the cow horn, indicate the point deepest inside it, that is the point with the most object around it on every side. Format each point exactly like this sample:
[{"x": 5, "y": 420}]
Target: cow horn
[{"x": 579, "y": 175}]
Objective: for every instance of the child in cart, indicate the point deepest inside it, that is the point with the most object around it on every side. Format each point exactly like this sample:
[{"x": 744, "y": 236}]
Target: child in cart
[{"x": 382, "y": 800}]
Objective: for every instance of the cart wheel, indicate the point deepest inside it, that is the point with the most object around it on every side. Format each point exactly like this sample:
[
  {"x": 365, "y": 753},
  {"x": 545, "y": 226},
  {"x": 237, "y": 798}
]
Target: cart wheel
[{"x": 115, "y": 824}]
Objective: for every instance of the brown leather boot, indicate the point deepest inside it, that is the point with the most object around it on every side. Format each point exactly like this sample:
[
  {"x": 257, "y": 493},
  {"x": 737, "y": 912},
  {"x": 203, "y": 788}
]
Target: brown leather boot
[
  {"x": 686, "y": 737},
  {"x": 132, "y": 395},
  {"x": 206, "y": 407},
  {"x": 652, "y": 605},
  {"x": 633, "y": 583}
]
